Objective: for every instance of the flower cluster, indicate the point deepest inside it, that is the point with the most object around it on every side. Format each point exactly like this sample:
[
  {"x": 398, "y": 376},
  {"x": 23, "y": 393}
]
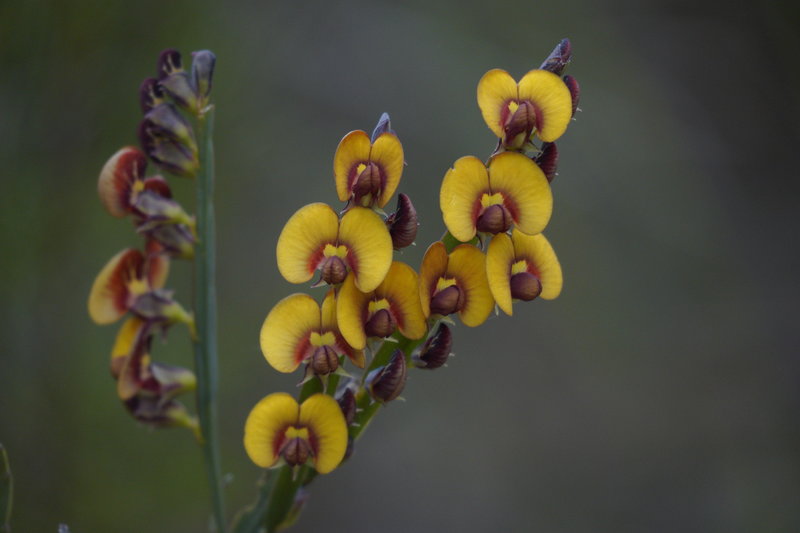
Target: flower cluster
[
  {"x": 378, "y": 313},
  {"x": 132, "y": 282}
]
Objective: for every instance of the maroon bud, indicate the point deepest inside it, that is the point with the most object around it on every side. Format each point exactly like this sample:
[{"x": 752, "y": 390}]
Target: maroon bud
[
  {"x": 203, "y": 71},
  {"x": 548, "y": 160},
  {"x": 525, "y": 286},
  {"x": 521, "y": 122},
  {"x": 334, "y": 270},
  {"x": 384, "y": 125},
  {"x": 179, "y": 87},
  {"x": 495, "y": 219},
  {"x": 176, "y": 240},
  {"x": 169, "y": 61},
  {"x": 403, "y": 223},
  {"x": 324, "y": 360},
  {"x": 165, "y": 152},
  {"x": 380, "y": 324},
  {"x": 368, "y": 182},
  {"x": 150, "y": 94},
  {"x": 386, "y": 383},
  {"x": 296, "y": 451},
  {"x": 165, "y": 121},
  {"x": 347, "y": 402},
  {"x": 574, "y": 91},
  {"x": 558, "y": 59},
  {"x": 447, "y": 301},
  {"x": 436, "y": 350}
]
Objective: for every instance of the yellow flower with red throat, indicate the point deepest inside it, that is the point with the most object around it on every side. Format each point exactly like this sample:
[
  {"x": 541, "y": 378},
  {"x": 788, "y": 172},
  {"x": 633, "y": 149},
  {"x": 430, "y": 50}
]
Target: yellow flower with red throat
[
  {"x": 455, "y": 283},
  {"x": 278, "y": 428},
  {"x": 298, "y": 330},
  {"x": 365, "y": 171},
  {"x": 513, "y": 190},
  {"x": 522, "y": 267},
  {"x": 540, "y": 103},
  {"x": 315, "y": 239},
  {"x": 393, "y": 305}
]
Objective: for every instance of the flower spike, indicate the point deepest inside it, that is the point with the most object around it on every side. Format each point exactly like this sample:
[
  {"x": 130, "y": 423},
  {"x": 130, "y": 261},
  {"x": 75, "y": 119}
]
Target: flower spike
[{"x": 368, "y": 171}]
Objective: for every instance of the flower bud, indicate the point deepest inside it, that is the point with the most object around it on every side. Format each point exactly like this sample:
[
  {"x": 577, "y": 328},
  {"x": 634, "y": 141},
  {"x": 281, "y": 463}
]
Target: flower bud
[
  {"x": 169, "y": 61},
  {"x": 558, "y": 59},
  {"x": 296, "y": 451},
  {"x": 436, "y": 350},
  {"x": 324, "y": 360},
  {"x": 548, "y": 160},
  {"x": 155, "y": 208},
  {"x": 574, "y": 91},
  {"x": 384, "y": 125},
  {"x": 347, "y": 401},
  {"x": 158, "y": 306},
  {"x": 151, "y": 411},
  {"x": 380, "y": 324},
  {"x": 403, "y": 223},
  {"x": 495, "y": 219},
  {"x": 150, "y": 94},
  {"x": 165, "y": 121},
  {"x": 177, "y": 240},
  {"x": 385, "y": 383},
  {"x": 447, "y": 301},
  {"x": 116, "y": 182},
  {"x": 203, "y": 72},
  {"x": 179, "y": 87},
  {"x": 525, "y": 286},
  {"x": 334, "y": 270},
  {"x": 167, "y": 153},
  {"x": 172, "y": 380}
]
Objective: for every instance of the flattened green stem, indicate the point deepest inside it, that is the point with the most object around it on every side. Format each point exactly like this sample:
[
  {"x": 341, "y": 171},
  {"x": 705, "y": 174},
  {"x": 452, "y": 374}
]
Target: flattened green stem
[
  {"x": 6, "y": 492},
  {"x": 205, "y": 305}
]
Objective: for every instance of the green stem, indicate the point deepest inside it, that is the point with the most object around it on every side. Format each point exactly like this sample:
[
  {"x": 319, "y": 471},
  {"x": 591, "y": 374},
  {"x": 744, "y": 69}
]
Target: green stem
[
  {"x": 205, "y": 353},
  {"x": 6, "y": 491}
]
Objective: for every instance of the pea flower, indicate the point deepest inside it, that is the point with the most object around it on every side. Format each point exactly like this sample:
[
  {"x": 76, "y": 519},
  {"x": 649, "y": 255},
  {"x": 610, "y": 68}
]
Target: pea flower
[
  {"x": 455, "y": 283},
  {"x": 368, "y": 171},
  {"x": 522, "y": 267},
  {"x": 315, "y": 239},
  {"x": 513, "y": 190},
  {"x": 278, "y": 428}
]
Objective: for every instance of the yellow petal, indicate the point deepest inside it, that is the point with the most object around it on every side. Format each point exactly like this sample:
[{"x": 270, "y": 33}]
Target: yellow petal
[
  {"x": 495, "y": 90},
  {"x": 400, "y": 288},
  {"x": 331, "y": 322},
  {"x": 285, "y": 332},
  {"x": 467, "y": 265},
  {"x": 460, "y": 196},
  {"x": 157, "y": 270},
  {"x": 543, "y": 263},
  {"x": 265, "y": 426},
  {"x": 109, "y": 294},
  {"x": 526, "y": 192},
  {"x": 552, "y": 100},
  {"x": 369, "y": 246},
  {"x": 434, "y": 265},
  {"x": 387, "y": 153},
  {"x": 128, "y": 336},
  {"x": 353, "y": 150},
  {"x": 350, "y": 310},
  {"x": 133, "y": 373},
  {"x": 322, "y": 415},
  {"x": 499, "y": 258},
  {"x": 303, "y": 239}
]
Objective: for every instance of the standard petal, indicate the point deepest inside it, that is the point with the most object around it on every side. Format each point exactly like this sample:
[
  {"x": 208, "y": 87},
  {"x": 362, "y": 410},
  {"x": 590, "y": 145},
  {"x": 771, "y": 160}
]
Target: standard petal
[
  {"x": 499, "y": 258},
  {"x": 285, "y": 332},
  {"x": 495, "y": 90},
  {"x": 353, "y": 150},
  {"x": 127, "y": 338},
  {"x": 323, "y": 417},
  {"x": 350, "y": 310},
  {"x": 467, "y": 265},
  {"x": 400, "y": 288},
  {"x": 434, "y": 265},
  {"x": 109, "y": 294},
  {"x": 265, "y": 426},
  {"x": 117, "y": 178},
  {"x": 552, "y": 100},
  {"x": 369, "y": 246},
  {"x": 460, "y": 196},
  {"x": 387, "y": 153},
  {"x": 542, "y": 260},
  {"x": 525, "y": 190},
  {"x": 303, "y": 239}
]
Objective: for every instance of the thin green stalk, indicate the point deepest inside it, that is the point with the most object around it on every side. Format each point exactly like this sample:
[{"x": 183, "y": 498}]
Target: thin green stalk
[
  {"x": 206, "y": 317},
  {"x": 6, "y": 491}
]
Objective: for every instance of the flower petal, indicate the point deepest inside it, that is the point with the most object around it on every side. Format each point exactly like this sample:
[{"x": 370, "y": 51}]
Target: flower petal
[
  {"x": 387, "y": 152},
  {"x": 285, "y": 332},
  {"x": 350, "y": 310},
  {"x": 495, "y": 90},
  {"x": 467, "y": 265},
  {"x": 109, "y": 294},
  {"x": 552, "y": 100},
  {"x": 434, "y": 265},
  {"x": 400, "y": 288},
  {"x": 332, "y": 322},
  {"x": 353, "y": 150},
  {"x": 127, "y": 337},
  {"x": 499, "y": 258},
  {"x": 525, "y": 190},
  {"x": 536, "y": 249},
  {"x": 369, "y": 246},
  {"x": 265, "y": 426},
  {"x": 460, "y": 196},
  {"x": 302, "y": 240},
  {"x": 323, "y": 417},
  {"x": 117, "y": 178}
]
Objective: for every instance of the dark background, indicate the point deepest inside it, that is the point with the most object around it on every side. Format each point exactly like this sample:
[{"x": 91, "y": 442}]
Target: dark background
[{"x": 658, "y": 393}]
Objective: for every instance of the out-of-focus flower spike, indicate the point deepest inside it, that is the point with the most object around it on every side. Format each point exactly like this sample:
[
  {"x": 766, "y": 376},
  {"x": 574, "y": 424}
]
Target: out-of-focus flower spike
[
  {"x": 574, "y": 91},
  {"x": 403, "y": 223},
  {"x": 559, "y": 58},
  {"x": 436, "y": 350},
  {"x": 548, "y": 160},
  {"x": 387, "y": 382},
  {"x": 203, "y": 72},
  {"x": 169, "y": 62},
  {"x": 150, "y": 94},
  {"x": 119, "y": 178},
  {"x": 384, "y": 125}
]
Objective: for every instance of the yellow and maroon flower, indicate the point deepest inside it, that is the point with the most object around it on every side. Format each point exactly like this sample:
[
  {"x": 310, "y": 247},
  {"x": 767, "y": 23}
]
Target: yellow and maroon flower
[
  {"x": 455, "y": 283},
  {"x": 394, "y": 304},
  {"x": 540, "y": 103},
  {"x": 278, "y": 427},
  {"x": 522, "y": 267},
  {"x": 315, "y": 239},
  {"x": 297, "y": 329},
  {"x": 365, "y": 171},
  {"x": 513, "y": 190}
]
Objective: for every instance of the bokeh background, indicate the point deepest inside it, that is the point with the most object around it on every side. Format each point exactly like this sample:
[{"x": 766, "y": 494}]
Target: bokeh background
[{"x": 659, "y": 393}]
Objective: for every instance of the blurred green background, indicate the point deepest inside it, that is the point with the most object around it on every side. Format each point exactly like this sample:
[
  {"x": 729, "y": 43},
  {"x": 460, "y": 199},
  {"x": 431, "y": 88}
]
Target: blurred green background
[{"x": 659, "y": 393}]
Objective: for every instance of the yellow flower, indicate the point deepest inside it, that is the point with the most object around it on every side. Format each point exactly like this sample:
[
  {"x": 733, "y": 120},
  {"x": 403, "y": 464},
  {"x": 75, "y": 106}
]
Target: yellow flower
[
  {"x": 512, "y": 190},
  {"x": 368, "y": 172},
  {"x": 314, "y": 238},
  {"x": 298, "y": 330},
  {"x": 394, "y": 304},
  {"x": 455, "y": 283},
  {"x": 522, "y": 267},
  {"x": 278, "y": 427},
  {"x": 540, "y": 103}
]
